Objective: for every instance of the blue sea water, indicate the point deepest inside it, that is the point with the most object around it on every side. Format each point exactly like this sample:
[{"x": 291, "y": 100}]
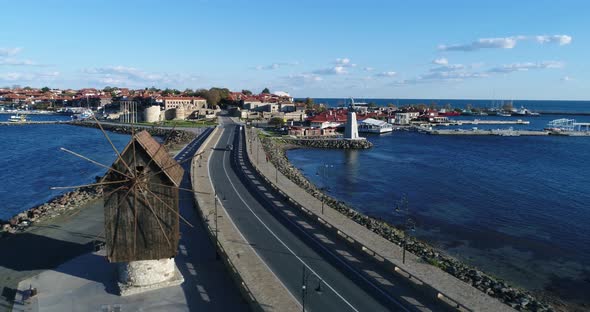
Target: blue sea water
[
  {"x": 31, "y": 161},
  {"x": 516, "y": 207}
]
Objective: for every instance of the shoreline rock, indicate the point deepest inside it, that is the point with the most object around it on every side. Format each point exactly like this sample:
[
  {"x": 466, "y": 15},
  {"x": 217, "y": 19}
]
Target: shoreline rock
[
  {"x": 519, "y": 299},
  {"x": 175, "y": 138},
  {"x": 336, "y": 143},
  {"x": 49, "y": 210}
]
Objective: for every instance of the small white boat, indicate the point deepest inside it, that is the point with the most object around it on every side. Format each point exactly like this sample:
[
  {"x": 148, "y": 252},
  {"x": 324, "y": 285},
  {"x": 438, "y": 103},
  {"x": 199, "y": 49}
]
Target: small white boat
[{"x": 18, "y": 118}]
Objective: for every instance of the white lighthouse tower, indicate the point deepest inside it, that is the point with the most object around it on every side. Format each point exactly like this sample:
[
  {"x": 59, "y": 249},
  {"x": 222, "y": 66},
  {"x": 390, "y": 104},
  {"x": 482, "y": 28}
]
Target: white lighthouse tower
[{"x": 351, "y": 131}]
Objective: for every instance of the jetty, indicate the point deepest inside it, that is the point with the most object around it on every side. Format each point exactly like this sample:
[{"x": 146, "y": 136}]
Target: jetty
[
  {"x": 504, "y": 132},
  {"x": 49, "y": 122}
]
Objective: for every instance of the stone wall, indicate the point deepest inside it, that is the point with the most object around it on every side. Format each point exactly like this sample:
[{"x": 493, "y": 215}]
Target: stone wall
[
  {"x": 56, "y": 206},
  {"x": 517, "y": 298},
  {"x": 330, "y": 143},
  {"x": 177, "y": 136}
]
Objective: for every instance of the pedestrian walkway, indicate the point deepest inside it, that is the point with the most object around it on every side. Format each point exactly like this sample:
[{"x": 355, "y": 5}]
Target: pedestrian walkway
[{"x": 446, "y": 287}]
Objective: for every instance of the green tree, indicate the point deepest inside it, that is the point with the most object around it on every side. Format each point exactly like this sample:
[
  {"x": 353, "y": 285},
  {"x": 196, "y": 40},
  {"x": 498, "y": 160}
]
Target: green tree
[
  {"x": 277, "y": 122},
  {"x": 107, "y": 89},
  {"x": 45, "y": 89},
  {"x": 371, "y": 105},
  {"x": 213, "y": 97},
  {"x": 309, "y": 103},
  {"x": 265, "y": 91},
  {"x": 246, "y": 92}
]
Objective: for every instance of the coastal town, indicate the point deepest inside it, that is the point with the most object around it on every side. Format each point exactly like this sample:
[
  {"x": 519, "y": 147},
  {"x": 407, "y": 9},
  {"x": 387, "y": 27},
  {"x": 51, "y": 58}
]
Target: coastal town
[{"x": 295, "y": 117}]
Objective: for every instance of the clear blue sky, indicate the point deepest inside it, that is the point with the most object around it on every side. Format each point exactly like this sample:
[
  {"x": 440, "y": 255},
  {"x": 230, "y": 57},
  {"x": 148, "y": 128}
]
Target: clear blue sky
[{"x": 369, "y": 49}]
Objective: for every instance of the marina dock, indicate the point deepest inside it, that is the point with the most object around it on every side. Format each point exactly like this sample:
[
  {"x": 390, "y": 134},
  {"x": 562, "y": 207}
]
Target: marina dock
[{"x": 505, "y": 132}]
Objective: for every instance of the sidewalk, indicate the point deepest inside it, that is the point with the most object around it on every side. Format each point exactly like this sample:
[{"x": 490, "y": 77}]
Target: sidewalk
[
  {"x": 258, "y": 284},
  {"x": 446, "y": 286}
]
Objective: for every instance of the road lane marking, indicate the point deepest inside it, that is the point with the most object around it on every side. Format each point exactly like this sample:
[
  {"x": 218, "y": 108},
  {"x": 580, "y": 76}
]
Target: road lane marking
[
  {"x": 242, "y": 235},
  {"x": 283, "y": 243}
]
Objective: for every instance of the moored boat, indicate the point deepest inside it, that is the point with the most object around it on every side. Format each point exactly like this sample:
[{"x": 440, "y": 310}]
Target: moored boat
[{"x": 18, "y": 118}]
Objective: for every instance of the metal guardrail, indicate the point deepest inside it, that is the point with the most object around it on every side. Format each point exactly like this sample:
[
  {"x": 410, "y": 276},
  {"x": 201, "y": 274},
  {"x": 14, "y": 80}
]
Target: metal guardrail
[{"x": 317, "y": 219}]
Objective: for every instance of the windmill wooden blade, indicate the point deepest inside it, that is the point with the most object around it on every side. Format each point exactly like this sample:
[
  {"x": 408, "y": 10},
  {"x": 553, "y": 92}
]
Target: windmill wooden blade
[
  {"x": 86, "y": 185},
  {"x": 177, "y": 163},
  {"x": 93, "y": 161},
  {"x": 182, "y": 189},
  {"x": 167, "y": 206},
  {"x": 110, "y": 142}
]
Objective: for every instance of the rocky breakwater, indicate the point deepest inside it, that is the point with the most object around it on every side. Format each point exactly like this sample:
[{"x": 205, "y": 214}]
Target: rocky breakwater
[
  {"x": 519, "y": 299},
  {"x": 174, "y": 137},
  {"x": 331, "y": 143},
  {"x": 53, "y": 208}
]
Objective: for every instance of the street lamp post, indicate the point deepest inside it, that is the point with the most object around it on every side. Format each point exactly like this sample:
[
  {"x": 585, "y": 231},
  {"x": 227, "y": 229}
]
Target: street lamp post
[
  {"x": 402, "y": 207},
  {"x": 216, "y": 229},
  {"x": 304, "y": 281},
  {"x": 324, "y": 174}
]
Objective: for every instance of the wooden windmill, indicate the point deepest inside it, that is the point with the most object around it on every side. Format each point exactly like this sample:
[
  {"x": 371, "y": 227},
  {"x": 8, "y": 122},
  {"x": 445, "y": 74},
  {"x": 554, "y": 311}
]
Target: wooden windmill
[
  {"x": 141, "y": 202},
  {"x": 141, "y": 197}
]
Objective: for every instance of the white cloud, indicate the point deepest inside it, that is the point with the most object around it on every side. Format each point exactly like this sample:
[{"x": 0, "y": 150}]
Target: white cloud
[
  {"x": 484, "y": 43},
  {"x": 28, "y": 77},
  {"x": 368, "y": 69},
  {"x": 9, "y": 51},
  {"x": 449, "y": 67},
  {"x": 559, "y": 39},
  {"x": 505, "y": 42},
  {"x": 566, "y": 78},
  {"x": 386, "y": 74},
  {"x": 344, "y": 62},
  {"x": 302, "y": 79},
  {"x": 440, "y": 61},
  {"x": 336, "y": 70},
  {"x": 274, "y": 66},
  {"x": 509, "y": 68},
  {"x": 16, "y": 62},
  {"x": 133, "y": 77}
]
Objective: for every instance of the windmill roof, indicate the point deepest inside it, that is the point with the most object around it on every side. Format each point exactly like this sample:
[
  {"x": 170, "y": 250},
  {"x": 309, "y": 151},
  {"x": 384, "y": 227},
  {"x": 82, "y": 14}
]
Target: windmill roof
[{"x": 161, "y": 157}]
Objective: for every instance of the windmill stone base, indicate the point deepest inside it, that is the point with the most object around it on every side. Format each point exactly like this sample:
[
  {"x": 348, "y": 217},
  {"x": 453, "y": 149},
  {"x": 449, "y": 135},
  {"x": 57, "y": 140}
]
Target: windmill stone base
[{"x": 145, "y": 275}]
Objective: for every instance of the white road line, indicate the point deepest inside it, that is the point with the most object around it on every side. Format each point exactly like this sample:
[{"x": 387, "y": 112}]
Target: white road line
[
  {"x": 283, "y": 243},
  {"x": 242, "y": 235},
  {"x": 335, "y": 256}
]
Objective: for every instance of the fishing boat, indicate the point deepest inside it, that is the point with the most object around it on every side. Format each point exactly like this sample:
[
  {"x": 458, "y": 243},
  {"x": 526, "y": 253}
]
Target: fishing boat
[
  {"x": 445, "y": 112},
  {"x": 525, "y": 112},
  {"x": 18, "y": 118}
]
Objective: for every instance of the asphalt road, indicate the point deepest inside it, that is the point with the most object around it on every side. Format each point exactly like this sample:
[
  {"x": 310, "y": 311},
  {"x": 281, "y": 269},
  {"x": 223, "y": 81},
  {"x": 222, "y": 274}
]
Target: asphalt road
[{"x": 294, "y": 259}]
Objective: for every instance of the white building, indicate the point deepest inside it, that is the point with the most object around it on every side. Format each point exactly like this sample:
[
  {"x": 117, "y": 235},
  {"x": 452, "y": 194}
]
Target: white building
[{"x": 371, "y": 125}]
